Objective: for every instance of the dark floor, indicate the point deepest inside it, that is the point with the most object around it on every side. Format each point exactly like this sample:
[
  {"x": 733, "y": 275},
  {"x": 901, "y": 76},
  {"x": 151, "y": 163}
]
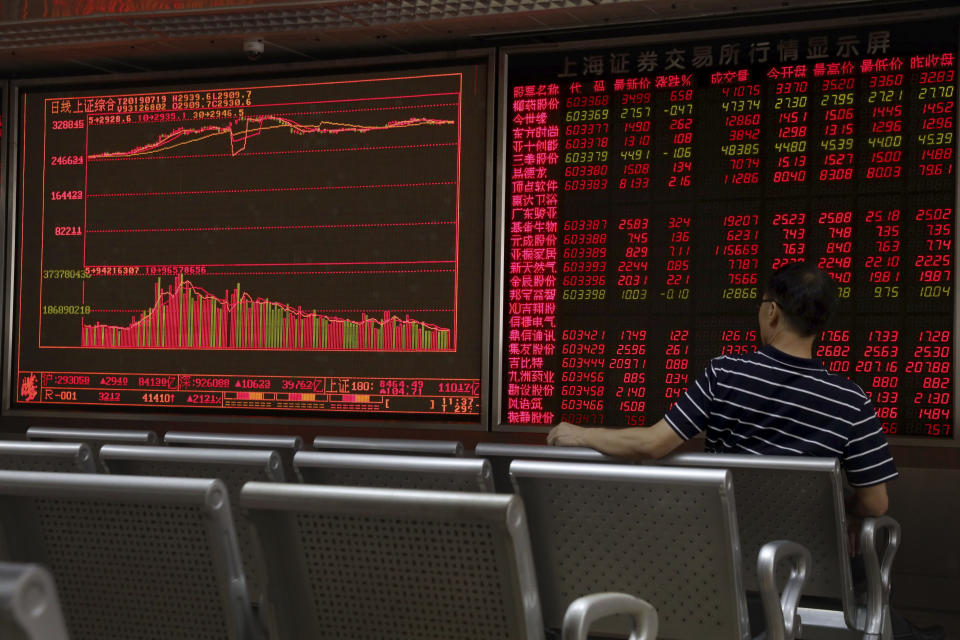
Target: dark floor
[{"x": 950, "y": 621}]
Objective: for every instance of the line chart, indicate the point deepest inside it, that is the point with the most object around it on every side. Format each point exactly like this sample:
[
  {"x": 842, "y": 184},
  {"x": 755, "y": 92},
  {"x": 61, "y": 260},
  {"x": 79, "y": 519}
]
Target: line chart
[{"x": 240, "y": 130}]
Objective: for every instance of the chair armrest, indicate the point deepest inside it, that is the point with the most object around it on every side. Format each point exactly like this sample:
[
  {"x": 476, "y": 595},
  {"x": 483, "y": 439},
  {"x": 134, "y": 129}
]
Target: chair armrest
[
  {"x": 878, "y": 571},
  {"x": 780, "y": 609},
  {"x": 583, "y": 612},
  {"x": 29, "y": 605}
]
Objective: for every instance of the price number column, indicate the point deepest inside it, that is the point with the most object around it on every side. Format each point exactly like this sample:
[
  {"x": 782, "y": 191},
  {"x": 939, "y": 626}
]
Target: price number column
[
  {"x": 835, "y": 227},
  {"x": 635, "y": 119},
  {"x": 791, "y": 110},
  {"x": 878, "y": 367},
  {"x": 628, "y": 363},
  {"x": 634, "y": 264},
  {"x": 884, "y": 112},
  {"x": 788, "y": 242},
  {"x": 930, "y": 367},
  {"x": 629, "y": 376},
  {"x": 933, "y": 265},
  {"x": 836, "y": 118},
  {"x": 532, "y": 235},
  {"x": 882, "y": 259},
  {"x": 934, "y": 101}
]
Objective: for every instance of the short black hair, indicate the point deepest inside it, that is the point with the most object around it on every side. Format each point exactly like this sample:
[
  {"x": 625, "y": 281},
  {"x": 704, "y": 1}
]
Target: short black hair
[{"x": 806, "y": 295}]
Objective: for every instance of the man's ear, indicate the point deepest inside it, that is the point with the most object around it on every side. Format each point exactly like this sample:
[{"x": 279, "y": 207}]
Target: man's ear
[{"x": 774, "y": 316}]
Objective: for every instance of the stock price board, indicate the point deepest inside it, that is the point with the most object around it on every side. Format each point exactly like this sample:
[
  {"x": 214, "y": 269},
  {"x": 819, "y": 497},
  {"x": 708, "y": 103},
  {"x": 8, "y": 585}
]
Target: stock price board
[{"x": 651, "y": 189}]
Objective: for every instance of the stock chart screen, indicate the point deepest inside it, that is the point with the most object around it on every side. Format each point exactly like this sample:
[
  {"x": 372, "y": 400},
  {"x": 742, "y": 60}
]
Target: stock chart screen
[
  {"x": 651, "y": 188},
  {"x": 289, "y": 245}
]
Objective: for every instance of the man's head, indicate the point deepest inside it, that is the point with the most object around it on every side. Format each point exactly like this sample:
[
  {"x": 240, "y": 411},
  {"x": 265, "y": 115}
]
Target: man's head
[{"x": 799, "y": 298}]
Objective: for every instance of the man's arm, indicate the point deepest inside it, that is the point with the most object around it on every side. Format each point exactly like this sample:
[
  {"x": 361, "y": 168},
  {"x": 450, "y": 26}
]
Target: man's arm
[
  {"x": 653, "y": 442},
  {"x": 869, "y": 501}
]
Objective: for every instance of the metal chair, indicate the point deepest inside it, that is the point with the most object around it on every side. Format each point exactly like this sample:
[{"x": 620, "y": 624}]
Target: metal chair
[
  {"x": 399, "y": 472},
  {"x": 361, "y": 563},
  {"x": 286, "y": 446},
  {"x": 47, "y": 456},
  {"x": 133, "y": 557},
  {"x": 501, "y": 455},
  {"x": 233, "y": 467},
  {"x": 29, "y": 606},
  {"x": 385, "y": 445},
  {"x": 801, "y": 498},
  {"x": 96, "y": 438},
  {"x": 667, "y": 534}
]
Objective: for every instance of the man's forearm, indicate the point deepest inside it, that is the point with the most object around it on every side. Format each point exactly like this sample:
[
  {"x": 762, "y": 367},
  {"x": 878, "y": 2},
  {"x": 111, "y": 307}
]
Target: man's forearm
[
  {"x": 653, "y": 442},
  {"x": 637, "y": 443},
  {"x": 621, "y": 443}
]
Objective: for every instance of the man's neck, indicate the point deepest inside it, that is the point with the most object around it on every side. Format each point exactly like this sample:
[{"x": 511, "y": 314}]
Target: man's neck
[{"x": 793, "y": 344}]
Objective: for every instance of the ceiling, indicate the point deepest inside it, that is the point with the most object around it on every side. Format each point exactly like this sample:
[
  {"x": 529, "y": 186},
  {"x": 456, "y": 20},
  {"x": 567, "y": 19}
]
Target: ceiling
[{"x": 78, "y": 39}]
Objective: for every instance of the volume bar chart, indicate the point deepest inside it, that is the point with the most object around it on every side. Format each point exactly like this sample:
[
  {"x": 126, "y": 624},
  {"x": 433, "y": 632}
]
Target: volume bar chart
[
  {"x": 186, "y": 317},
  {"x": 289, "y": 244}
]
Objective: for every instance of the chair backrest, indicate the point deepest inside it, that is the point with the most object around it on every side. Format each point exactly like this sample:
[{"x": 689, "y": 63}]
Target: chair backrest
[
  {"x": 384, "y": 445},
  {"x": 501, "y": 455},
  {"x": 65, "y": 457},
  {"x": 666, "y": 535},
  {"x": 400, "y": 472},
  {"x": 354, "y": 563},
  {"x": 131, "y": 553},
  {"x": 96, "y": 438},
  {"x": 233, "y": 467},
  {"x": 286, "y": 446},
  {"x": 789, "y": 498},
  {"x": 29, "y": 606}
]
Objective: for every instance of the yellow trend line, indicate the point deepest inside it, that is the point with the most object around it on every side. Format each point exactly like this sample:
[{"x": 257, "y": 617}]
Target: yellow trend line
[{"x": 165, "y": 142}]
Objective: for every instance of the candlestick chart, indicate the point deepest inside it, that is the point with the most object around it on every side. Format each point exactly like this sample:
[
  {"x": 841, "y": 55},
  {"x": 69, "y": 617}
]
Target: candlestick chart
[{"x": 300, "y": 217}]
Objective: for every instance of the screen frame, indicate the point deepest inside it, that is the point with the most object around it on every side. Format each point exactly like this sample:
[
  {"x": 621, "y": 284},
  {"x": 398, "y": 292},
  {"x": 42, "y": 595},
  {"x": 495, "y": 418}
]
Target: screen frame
[
  {"x": 9, "y": 156},
  {"x": 686, "y": 33}
]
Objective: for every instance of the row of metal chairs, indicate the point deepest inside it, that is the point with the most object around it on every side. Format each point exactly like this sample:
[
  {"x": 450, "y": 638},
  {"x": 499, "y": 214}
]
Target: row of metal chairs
[
  {"x": 286, "y": 446},
  {"x": 763, "y": 514},
  {"x": 148, "y": 557}
]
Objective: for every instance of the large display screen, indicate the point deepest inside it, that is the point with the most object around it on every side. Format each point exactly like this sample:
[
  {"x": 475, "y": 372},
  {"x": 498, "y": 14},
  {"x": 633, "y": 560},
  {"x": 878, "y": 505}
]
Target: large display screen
[
  {"x": 309, "y": 244},
  {"x": 651, "y": 188}
]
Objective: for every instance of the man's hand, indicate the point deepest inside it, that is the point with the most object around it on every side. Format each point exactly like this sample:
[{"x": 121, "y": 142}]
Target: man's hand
[{"x": 567, "y": 435}]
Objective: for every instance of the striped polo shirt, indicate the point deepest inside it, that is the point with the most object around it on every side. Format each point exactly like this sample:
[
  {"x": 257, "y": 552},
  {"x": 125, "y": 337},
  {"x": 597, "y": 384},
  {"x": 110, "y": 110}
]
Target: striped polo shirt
[{"x": 771, "y": 403}]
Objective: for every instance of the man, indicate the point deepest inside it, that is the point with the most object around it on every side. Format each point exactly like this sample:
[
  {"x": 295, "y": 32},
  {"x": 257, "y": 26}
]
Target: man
[{"x": 775, "y": 401}]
